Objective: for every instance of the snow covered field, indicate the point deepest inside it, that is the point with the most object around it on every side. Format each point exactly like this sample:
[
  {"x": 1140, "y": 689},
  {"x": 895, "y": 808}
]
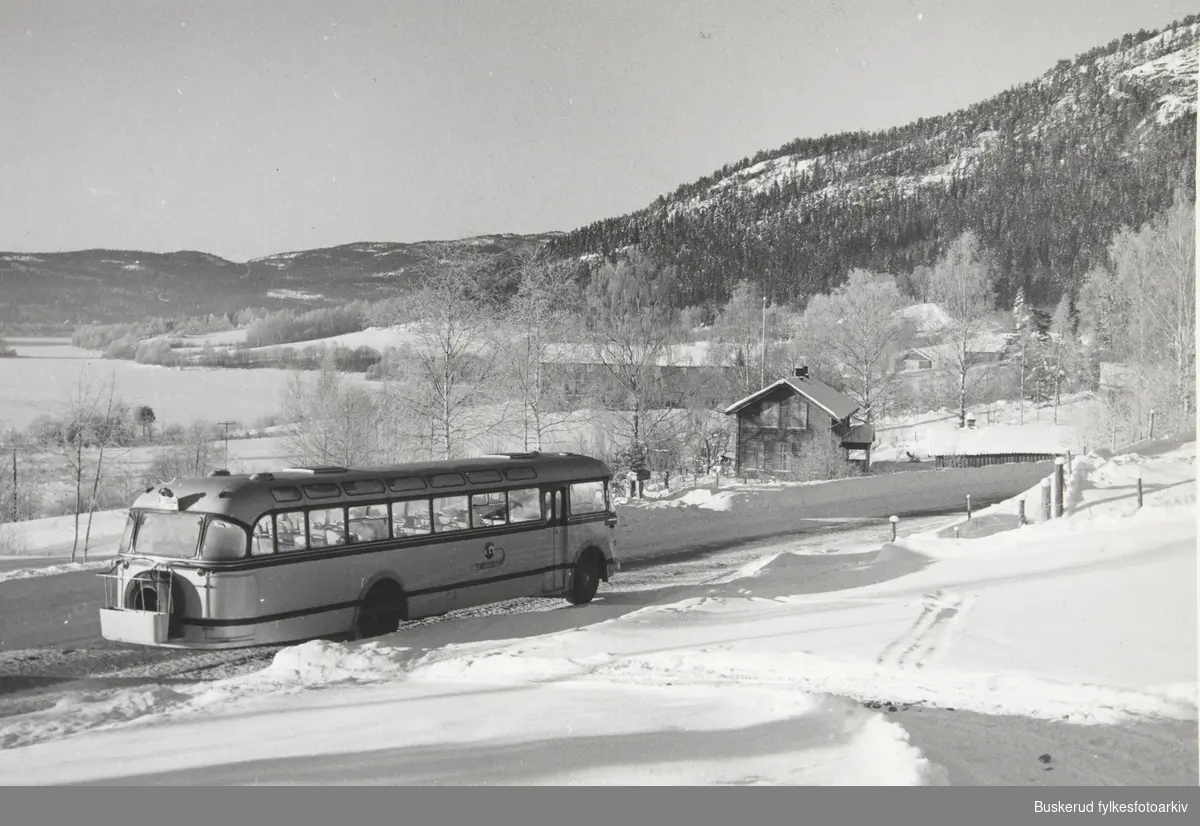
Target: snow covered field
[{"x": 1090, "y": 619}]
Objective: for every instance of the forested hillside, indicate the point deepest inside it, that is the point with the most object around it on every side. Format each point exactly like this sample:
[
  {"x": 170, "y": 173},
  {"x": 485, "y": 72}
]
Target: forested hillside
[{"x": 1044, "y": 174}]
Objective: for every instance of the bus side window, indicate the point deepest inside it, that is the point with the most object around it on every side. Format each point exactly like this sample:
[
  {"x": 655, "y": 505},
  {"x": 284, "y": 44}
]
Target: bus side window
[
  {"x": 523, "y": 505},
  {"x": 451, "y": 513},
  {"x": 290, "y": 531},
  {"x": 368, "y": 523},
  {"x": 410, "y": 518},
  {"x": 326, "y": 527},
  {"x": 264, "y": 536},
  {"x": 487, "y": 509}
]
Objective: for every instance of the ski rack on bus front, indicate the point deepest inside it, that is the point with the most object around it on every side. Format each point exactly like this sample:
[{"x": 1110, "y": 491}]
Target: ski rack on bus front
[{"x": 135, "y": 623}]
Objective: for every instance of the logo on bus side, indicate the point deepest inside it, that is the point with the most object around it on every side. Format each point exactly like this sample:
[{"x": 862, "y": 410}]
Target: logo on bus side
[{"x": 493, "y": 557}]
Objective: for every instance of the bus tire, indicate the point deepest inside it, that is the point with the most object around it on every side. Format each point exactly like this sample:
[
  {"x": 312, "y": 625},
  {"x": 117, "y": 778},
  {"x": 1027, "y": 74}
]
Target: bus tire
[
  {"x": 587, "y": 577},
  {"x": 381, "y": 610}
]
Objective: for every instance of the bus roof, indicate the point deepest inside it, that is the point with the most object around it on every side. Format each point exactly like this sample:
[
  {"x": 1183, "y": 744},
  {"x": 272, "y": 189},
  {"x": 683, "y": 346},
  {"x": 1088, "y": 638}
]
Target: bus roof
[{"x": 245, "y": 496}]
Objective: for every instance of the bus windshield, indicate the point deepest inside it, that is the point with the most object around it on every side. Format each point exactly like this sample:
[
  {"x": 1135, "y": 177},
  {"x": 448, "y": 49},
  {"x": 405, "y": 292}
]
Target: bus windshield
[{"x": 168, "y": 534}]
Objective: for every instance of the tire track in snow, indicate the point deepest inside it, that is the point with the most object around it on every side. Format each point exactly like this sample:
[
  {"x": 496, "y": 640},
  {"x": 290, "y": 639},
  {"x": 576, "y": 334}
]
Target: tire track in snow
[{"x": 929, "y": 635}]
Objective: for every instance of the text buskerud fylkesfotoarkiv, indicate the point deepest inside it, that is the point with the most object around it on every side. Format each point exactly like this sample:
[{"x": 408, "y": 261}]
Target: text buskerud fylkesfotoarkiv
[{"x": 1108, "y": 807}]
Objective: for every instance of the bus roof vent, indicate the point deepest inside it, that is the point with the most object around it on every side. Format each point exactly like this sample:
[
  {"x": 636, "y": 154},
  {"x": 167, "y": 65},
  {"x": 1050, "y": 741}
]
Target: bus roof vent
[
  {"x": 261, "y": 477},
  {"x": 317, "y": 469}
]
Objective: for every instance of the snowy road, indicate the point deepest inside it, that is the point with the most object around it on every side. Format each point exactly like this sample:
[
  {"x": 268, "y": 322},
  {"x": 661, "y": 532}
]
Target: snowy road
[
  {"x": 51, "y": 643},
  {"x": 49, "y": 627}
]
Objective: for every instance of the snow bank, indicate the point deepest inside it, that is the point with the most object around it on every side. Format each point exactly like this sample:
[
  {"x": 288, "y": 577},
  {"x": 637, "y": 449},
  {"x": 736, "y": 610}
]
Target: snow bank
[
  {"x": 55, "y": 535},
  {"x": 51, "y": 570},
  {"x": 1028, "y": 438},
  {"x": 695, "y": 498},
  {"x": 432, "y": 733}
]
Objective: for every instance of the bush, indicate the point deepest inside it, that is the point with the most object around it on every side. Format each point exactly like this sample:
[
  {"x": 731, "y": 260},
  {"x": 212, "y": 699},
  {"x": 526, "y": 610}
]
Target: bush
[
  {"x": 286, "y": 327},
  {"x": 155, "y": 351},
  {"x": 823, "y": 459},
  {"x": 125, "y": 347}
]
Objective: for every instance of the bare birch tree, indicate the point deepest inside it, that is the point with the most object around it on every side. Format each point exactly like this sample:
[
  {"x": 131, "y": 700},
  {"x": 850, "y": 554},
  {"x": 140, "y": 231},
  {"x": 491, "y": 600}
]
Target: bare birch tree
[
  {"x": 539, "y": 318},
  {"x": 630, "y": 321},
  {"x": 748, "y": 330},
  {"x": 106, "y": 434},
  {"x": 447, "y": 380},
  {"x": 962, "y": 283},
  {"x": 331, "y": 422},
  {"x": 85, "y": 423},
  {"x": 862, "y": 332},
  {"x": 1147, "y": 309},
  {"x": 1174, "y": 256}
]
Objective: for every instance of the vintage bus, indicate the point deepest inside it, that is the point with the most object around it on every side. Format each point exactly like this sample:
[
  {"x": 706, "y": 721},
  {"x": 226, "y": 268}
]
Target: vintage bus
[{"x": 229, "y": 561}]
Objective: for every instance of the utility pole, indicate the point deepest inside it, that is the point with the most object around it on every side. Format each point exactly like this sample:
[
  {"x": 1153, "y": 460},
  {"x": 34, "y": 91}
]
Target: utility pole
[
  {"x": 226, "y": 424},
  {"x": 762, "y": 377}
]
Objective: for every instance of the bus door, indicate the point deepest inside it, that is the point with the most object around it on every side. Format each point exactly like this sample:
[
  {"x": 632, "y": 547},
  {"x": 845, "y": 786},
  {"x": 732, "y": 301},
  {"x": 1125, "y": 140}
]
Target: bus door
[{"x": 556, "y": 513}]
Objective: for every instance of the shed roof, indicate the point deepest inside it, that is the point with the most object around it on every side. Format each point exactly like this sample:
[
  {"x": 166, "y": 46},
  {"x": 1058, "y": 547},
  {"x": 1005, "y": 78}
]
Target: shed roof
[{"x": 860, "y": 434}]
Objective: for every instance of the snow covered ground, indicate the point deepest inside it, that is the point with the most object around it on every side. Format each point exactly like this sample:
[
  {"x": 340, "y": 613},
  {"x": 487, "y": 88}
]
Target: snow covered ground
[
  {"x": 53, "y": 537},
  {"x": 1089, "y": 619}
]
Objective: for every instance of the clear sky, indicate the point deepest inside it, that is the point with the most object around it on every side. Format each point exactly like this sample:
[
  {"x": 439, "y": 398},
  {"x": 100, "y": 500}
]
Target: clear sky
[{"x": 248, "y": 128}]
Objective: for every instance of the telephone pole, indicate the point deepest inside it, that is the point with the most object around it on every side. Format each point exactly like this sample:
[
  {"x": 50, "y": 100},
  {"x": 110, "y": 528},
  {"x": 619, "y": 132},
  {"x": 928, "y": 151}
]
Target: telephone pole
[
  {"x": 762, "y": 377},
  {"x": 226, "y": 424}
]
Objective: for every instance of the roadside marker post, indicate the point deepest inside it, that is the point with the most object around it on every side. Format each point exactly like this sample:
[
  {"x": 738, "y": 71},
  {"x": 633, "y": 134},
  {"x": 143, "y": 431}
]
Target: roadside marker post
[{"x": 1060, "y": 487}]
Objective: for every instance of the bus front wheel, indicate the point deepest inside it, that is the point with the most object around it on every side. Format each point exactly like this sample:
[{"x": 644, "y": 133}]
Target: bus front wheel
[
  {"x": 381, "y": 611},
  {"x": 586, "y": 579}
]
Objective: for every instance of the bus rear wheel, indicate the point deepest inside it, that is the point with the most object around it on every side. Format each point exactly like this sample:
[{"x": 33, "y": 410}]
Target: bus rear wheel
[
  {"x": 381, "y": 611},
  {"x": 586, "y": 580}
]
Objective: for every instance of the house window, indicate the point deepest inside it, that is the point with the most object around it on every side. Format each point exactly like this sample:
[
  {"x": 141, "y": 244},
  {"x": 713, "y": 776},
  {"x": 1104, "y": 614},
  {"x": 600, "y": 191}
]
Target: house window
[
  {"x": 925, "y": 364},
  {"x": 767, "y": 415},
  {"x": 797, "y": 414},
  {"x": 754, "y": 455}
]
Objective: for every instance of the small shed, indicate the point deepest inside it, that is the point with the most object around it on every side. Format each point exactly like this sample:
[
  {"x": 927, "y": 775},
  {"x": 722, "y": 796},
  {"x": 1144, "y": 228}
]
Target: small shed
[
  {"x": 1002, "y": 445},
  {"x": 777, "y": 425}
]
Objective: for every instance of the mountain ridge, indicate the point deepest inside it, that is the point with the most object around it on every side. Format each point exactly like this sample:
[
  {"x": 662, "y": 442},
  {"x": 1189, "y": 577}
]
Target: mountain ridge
[
  {"x": 1044, "y": 172},
  {"x": 1113, "y": 127}
]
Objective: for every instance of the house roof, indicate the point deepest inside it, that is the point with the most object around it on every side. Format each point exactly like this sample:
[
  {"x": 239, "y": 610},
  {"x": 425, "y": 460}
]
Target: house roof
[{"x": 833, "y": 402}]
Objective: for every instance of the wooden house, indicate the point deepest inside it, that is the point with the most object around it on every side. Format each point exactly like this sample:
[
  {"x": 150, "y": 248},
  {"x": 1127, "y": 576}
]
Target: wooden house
[{"x": 777, "y": 425}]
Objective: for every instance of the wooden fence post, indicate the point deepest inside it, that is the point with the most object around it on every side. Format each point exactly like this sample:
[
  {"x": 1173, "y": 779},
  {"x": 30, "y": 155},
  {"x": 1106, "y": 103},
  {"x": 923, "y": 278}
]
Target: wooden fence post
[
  {"x": 1060, "y": 487},
  {"x": 1021, "y": 512},
  {"x": 968, "y": 507},
  {"x": 894, "y": 520},
  {"x": 1139, "y": 494},
  {"x": 1045, "y": 499}
]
